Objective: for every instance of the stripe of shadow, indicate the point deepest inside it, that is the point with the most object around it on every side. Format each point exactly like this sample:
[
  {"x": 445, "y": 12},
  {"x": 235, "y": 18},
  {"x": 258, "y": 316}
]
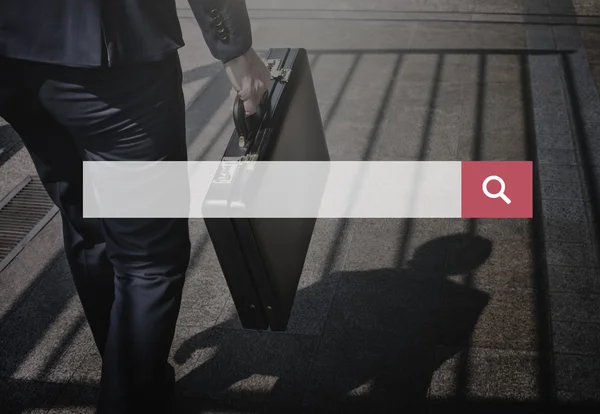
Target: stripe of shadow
[
  {"x": 374, "y": 133},
  {"x": 197, "y": 253},
  {"x": 65, "y": 341},
  {"x": 338, "y": 99},
  {"x": 385, "y": 102},
  {"x": 206, "y": 105},
  {"x": 590, "y": 179},
  {"x": 545, "y": 377},
  {"x": 425, "y": 140},
  {"x": 37, "y": 331},
  {"x": 463, "y": 367},
  {"x": 479, "y": 109},
  {"x": 314, "y": 59},
  {"x": 343, "y": 226}
]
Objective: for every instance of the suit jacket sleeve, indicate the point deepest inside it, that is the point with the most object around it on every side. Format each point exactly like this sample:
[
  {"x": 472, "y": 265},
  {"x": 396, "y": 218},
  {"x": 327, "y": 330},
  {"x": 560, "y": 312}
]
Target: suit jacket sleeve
[{"x": 225, "y": 25}]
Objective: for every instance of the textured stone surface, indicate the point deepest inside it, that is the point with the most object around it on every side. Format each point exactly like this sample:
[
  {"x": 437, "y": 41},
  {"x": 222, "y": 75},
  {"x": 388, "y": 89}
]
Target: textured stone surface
[
  {"x": 492, "y": 374},
  {"x": 21, "y": 275},
  {"x": 578, "y": 378},
  {"x": 575, "y": 307},
  {"x": 395, "y": 80},
  {"x": 577, "y": 338},
  {"x": 569, "y": 233},
  {"x": 572, "y": 211},
  {"x": 569, "y": 254},
  {"x": 557, "y": 156},
  {"x": 559, "y": 173},
  {"x": 504, "y": 229},
  {"x": 55, "y": 326},
  {"x": 494, "y": 146},
  {"x": 572, "y": 279},
  {"x": 554, "y": 190}
]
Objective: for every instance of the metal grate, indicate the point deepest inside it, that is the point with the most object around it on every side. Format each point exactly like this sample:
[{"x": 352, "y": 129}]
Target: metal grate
[{"x": 23, "y": 213}]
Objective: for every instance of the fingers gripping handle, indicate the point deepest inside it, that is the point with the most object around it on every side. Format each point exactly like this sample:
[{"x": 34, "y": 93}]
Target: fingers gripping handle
[
  {"x": 246, "y": 126},
  {"x": 239, "y": 120}
]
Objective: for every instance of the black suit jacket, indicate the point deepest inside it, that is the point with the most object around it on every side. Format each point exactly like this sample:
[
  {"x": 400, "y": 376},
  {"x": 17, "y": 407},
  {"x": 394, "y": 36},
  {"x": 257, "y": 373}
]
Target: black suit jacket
[{"x": 93, "y": 33}]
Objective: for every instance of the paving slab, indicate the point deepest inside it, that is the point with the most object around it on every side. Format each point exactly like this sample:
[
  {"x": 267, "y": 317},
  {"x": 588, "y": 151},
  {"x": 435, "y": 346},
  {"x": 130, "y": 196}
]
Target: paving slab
[
  {"x": 497, "y": 146},
  {"x": 491, "y": 374},
  {"x": 556, "y": 230},
  {"x": 390, "y": 313},
  {"x": 582, "y": 338},
  {"x": 577, "y": 378},
  {"x": 575, "y": 307},
  {"x": 568, "y": 279}
]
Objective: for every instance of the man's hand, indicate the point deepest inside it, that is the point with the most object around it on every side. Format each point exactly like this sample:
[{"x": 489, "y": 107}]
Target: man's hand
[{"x": 249, "y": 77}]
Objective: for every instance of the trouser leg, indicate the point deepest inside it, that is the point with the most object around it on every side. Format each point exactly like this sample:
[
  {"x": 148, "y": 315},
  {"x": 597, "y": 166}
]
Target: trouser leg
[
  {"x": 59, "y": 166},
  {"x": 131, "y": 114}
]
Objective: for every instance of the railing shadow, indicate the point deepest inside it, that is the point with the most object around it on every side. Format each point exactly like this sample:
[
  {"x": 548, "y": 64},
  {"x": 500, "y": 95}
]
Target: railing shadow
[
  {"x": 405, "y": 280},
  {"x": 397, "y": 367},
  {"x": 544, "y": 377}
]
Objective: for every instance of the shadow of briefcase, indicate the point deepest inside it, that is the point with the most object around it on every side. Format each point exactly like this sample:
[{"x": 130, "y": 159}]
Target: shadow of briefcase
[{"x": 262, "y": 258}]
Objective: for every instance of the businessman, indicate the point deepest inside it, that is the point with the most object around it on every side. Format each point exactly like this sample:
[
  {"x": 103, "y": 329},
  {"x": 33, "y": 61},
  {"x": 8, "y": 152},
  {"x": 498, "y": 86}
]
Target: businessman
[{"x": 101, "y": 80}]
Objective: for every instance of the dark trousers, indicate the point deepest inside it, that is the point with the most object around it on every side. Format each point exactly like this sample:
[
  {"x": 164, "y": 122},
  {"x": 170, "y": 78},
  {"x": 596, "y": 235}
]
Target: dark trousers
[{"x": 129, "y": 273}]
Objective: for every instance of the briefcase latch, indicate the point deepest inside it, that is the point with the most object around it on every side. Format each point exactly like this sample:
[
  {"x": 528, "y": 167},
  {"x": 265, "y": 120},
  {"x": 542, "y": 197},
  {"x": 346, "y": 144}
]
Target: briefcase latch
[{"x": 274, "y": 66}]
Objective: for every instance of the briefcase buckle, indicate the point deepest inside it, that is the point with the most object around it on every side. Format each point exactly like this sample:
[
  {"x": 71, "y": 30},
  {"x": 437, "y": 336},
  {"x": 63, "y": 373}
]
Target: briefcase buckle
[
  {"x": 274, "y": 66},
  {"x": 249, "y": 157}
]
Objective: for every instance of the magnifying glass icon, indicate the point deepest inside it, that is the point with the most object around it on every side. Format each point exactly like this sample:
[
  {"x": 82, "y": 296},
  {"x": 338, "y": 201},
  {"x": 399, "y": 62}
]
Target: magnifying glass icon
[{"x": 499, "y": 194}]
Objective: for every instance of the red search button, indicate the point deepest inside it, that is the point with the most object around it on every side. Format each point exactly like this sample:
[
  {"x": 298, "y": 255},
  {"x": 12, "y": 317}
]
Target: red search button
[{"x": 497, "y": 189}]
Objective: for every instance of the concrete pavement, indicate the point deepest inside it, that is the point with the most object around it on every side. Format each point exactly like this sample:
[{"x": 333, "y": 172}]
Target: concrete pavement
[{"x": 417, "y": 315}]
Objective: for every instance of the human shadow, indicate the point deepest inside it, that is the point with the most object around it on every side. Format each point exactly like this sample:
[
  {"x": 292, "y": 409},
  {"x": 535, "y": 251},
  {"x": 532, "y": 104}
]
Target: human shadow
[{"x": 387, "y": 332}]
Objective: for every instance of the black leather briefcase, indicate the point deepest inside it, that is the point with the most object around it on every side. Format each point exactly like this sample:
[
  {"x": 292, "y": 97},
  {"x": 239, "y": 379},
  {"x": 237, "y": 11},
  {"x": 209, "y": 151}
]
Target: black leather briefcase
[{"x": 262, "y": 258}]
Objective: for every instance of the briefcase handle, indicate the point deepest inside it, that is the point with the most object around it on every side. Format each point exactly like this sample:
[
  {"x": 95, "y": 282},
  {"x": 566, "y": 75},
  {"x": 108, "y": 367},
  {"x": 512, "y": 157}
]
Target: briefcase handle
[{"x": 247, "y": 126}]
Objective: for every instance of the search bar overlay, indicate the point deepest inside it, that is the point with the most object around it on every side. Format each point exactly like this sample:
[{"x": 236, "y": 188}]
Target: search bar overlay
[{"x": 337, "y": 189}]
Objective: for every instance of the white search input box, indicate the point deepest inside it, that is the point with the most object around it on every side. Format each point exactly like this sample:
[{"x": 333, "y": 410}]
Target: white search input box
[{"x": 336, "y": 189}]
